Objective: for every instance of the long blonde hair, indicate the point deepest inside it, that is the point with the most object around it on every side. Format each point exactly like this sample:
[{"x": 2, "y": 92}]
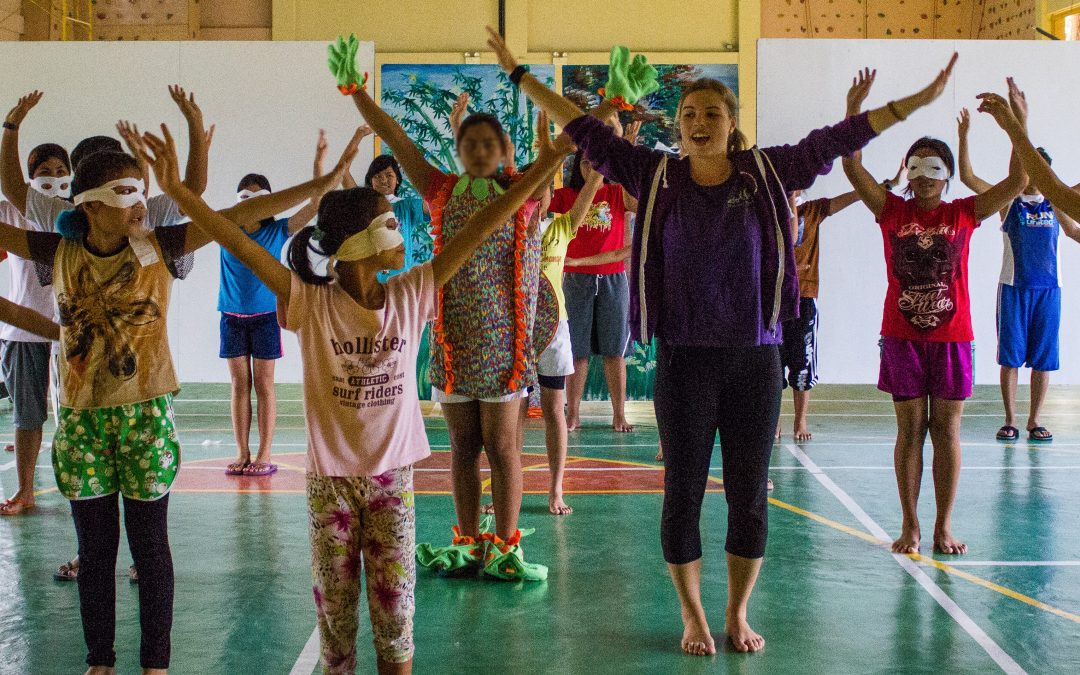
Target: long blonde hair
[{"x": 737, "y": 141}]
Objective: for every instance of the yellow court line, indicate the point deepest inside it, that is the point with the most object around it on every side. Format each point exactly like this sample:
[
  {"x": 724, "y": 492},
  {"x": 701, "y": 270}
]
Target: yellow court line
[{"x": 865, "y": 536}]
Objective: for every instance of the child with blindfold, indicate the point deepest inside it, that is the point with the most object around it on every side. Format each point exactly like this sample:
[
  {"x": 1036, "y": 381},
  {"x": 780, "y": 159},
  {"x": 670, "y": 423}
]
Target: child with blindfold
[
  {"x": 926, "y": 343},
  {"x": 358, "y": 341}
]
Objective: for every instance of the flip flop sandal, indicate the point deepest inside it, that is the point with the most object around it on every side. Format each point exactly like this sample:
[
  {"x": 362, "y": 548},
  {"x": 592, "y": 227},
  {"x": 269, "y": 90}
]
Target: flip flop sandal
[
  {"x": 236, "y": 468},
  {"x": 9, "y": 448},
  {"x": 1007, "y": 433},
  {"x": 13, "y": 507},
  {"x": 260, "y": 469},
  {"x": 66, "y": 572},
  {"x": 1046, "y": 436}
]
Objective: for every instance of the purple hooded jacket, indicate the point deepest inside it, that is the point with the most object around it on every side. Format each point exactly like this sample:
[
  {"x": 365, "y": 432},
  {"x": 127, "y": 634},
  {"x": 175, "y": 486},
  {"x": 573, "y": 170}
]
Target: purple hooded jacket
[{"x": 749, "y": 288}]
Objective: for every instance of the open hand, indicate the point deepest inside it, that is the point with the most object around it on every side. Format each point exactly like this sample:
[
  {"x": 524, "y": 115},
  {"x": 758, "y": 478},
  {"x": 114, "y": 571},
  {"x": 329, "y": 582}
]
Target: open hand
[
  {"x": 506, "y": 60},
  {"x": 160, "y": 153},
  {"x": 631, "y": 131},
  {"x": 334, "y": 178},
  {"x": 998, "y": 108},
  {"x": 860, "y": 89},
  {"x": 1017, "y": 101},
  {"x": 935, "y": 88},
  {"x": 341, "y": 58},
  {"x": 186, "y": 102},
  {"x": 963, "y": 122},
  {"x": 458, "y": 111},
  {"x": 17, "y": 114},
  {"x": 131, "y": 136}
]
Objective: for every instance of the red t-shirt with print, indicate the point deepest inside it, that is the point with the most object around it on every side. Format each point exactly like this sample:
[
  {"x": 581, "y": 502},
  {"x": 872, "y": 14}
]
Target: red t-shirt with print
[
  {"x": 926, "y": 256},
  {"x": 603, "y": 230}
]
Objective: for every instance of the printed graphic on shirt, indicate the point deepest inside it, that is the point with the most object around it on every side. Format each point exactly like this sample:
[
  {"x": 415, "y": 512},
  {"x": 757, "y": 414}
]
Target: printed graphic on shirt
[
  {"x": 926, "y": 261},
  {"x": 105, "y": 313},
  {"x": 369, "y": 381},
  {"x": 599, "y": 218}
]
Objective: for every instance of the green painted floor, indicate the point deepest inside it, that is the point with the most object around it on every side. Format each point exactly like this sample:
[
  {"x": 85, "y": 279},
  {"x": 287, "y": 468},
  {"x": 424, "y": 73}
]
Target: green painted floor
[{"x": 830, "y": 600}]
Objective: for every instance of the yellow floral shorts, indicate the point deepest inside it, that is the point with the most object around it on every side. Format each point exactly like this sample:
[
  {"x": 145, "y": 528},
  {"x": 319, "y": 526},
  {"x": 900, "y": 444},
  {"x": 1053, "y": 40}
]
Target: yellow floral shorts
[{"x": 132, "y": 449}]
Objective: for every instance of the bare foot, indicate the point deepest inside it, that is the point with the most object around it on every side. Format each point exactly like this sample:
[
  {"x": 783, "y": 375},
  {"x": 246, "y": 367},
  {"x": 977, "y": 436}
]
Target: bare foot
[
  {"x": 487, "y": 509},
  {"x": 573, "y": 422},
  {"x": 620, "y": 424},
  {"x": 945, "y": 543},
  {"x": 660, "y": 455},
  {"x": 742, "y": 636},
  {"x": 696, "y": 639},
  {"x": 769, "y": 485},
  {"x": 802, "y": 433},
  {"x": 908, "y": 542},
  {"x": 17, "y": 504},
  {"x": 777, "y": 435},
  {"x": 557, "y": 506}
]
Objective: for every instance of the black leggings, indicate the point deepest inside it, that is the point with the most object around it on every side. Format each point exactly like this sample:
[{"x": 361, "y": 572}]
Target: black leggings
[
  {"x": 97, "y": 524},
  {"x": 699, "y": 391}
]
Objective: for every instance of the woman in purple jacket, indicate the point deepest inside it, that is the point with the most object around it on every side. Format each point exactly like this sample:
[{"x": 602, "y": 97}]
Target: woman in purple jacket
[{"x": 713, "y": 276}]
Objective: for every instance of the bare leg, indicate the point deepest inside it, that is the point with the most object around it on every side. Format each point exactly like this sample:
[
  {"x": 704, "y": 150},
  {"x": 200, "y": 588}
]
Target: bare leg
[
  {"x": 911, "y": 427},
  {"x": 802, "y": 405},
  {"x": 240, "y": 399},
  {"x": 263, "y": 370},
  {"x": 466, "y": 442},
  {"x": 27, "y": 447},
  {"x": 945, "y": 435},
  {"x": 575, "y": 389},
  {"x": 742, "y": 575},
  {"x": 615, "y": 374},
  {"x": 696, "y": 639},
  {"x": 1008, "y": 394},
  {"x": 555, "y": 437},
  {"x": 387, "y": 668},
  {"x": 499, "y": 423},
  {"x": 1040, "y": 383}
]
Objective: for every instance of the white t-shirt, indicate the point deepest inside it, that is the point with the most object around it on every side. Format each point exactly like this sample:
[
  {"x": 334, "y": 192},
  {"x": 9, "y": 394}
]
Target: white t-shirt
[
  {"x": 25, "y": 289},
  {"x": 360, "y": 399}
]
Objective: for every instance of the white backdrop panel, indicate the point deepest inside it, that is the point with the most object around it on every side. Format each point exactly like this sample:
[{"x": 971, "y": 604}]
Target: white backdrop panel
[
  {"x": 268, "y": 100},
  {"x": 802, "y": 86}
]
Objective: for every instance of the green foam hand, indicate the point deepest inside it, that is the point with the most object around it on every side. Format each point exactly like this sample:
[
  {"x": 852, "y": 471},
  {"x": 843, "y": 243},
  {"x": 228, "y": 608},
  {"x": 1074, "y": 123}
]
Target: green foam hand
[
  {"x": 341, "y": 57},
  {"x": 629, "y": 80}
]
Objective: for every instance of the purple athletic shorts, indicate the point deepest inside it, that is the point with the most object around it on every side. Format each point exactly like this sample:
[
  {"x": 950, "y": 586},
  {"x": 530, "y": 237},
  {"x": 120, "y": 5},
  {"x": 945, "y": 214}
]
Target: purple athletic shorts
[{"x": 914, "y": 369}]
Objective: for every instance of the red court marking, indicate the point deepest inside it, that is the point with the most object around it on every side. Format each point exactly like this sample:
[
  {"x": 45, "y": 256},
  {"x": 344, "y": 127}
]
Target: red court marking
[{"x": 583, "y": 476}]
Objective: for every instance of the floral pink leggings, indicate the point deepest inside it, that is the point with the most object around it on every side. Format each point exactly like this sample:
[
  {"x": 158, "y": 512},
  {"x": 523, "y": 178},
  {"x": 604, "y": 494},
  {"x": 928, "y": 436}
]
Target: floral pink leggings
[{"x": 369, "y": 522}]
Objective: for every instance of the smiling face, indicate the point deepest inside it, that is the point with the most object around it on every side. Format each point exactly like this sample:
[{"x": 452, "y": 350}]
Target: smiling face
[
  {"x": 114, "y": 221},
  {"x": 705, "y": 124},
  {"x": 386, "y": 181}
]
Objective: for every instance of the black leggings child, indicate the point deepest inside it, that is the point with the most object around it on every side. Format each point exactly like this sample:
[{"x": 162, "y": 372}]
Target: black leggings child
[
  {"x": 97, "y": 525},
  {"x": 699, "y": 391}
]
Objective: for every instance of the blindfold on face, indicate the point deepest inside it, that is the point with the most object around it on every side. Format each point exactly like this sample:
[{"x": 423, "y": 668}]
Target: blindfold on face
[
  {"x": 108, "y": 196},
  {"x": 930, "y": 167}
]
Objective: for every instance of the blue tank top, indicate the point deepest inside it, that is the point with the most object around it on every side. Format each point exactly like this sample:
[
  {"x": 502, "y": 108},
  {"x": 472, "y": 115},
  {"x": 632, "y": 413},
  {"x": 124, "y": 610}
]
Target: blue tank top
[
  {"x": 241, "y": 292},
  {"x": 1030, "y": 258}
]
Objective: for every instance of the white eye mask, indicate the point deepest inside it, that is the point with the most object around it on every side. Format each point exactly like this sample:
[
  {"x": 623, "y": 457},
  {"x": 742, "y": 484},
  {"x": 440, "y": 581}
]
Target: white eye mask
[
  {"x": 248, "y": 194},
  {"x": 930, "y": 167},
  {"x": 108, "y": 197},
  {"x": 53, "y": 187},
  {"x": 378, "y": 237}
]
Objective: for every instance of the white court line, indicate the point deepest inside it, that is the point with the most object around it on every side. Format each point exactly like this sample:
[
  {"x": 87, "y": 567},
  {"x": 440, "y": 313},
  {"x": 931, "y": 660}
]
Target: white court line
[
  {"x": 309, "y": 656},
  {"x": 1014, "y": 563},
  {"x": 1002, "y": 659},
  {"x": 9, "y": 465}
]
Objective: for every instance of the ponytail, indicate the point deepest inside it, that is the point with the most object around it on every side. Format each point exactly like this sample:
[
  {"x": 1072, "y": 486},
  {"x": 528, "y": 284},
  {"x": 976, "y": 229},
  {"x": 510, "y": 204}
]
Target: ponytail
[{"x": 299, "y": 257}]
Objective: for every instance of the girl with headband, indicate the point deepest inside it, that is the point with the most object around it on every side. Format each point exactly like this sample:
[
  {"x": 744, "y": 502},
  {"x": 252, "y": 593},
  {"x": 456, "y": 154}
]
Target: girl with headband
[
  {"x": 112, "y": 281},
  {"x": 250, "y": 334},
  {"x": 926, "y": 354},
  {"x": 358, "y": 341},
  {"x": 716, "y": 309}
]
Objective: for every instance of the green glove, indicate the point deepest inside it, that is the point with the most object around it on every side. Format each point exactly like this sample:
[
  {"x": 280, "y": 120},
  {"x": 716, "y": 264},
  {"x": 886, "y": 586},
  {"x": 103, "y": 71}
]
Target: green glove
[
  {"x": 341, "y": 57},
  {"x": 629, "y": 81}
]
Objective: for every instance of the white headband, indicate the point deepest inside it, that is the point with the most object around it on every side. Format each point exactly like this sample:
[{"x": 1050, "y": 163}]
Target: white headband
[
  {"x": 248, "y": 194},
  {"x": 106, "y": 195},
  {"x": 59, "y": 186},
  {"x": 375, "y": 239},
  {"x": 930, "y": 167}
]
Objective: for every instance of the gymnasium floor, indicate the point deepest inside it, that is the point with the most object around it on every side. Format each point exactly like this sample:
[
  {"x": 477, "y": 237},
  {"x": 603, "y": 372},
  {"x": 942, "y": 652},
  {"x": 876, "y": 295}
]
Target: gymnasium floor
[{"x": 831, "y": 598}]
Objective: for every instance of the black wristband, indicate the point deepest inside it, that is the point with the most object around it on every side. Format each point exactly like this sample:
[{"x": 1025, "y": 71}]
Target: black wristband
[
  {"x": 9, "y": 125},
  {"x": 517, "y": 73}
]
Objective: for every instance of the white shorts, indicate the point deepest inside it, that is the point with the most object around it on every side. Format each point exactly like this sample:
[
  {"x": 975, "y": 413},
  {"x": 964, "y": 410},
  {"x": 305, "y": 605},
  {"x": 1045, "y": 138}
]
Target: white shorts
[
  {"x": 558, "y": 359},
  {"x": 439, "y": 396}
]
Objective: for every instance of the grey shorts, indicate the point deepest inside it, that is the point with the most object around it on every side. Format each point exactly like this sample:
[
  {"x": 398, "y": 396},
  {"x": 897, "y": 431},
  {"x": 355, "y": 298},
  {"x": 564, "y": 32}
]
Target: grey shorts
[
  {"x": 25, "y": 369},
  {"x": 598, "y": 307}
]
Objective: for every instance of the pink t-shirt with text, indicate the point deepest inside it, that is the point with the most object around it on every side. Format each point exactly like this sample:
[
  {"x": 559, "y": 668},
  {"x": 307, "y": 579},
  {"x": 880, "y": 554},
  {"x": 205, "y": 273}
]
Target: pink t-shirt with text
[{"x": 360, "y": 398}]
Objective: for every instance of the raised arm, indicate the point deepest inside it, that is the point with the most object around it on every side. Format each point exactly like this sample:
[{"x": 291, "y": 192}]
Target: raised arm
[
  {"x": 1068, "y": 225},
  {"x": 841, "y": 202},
  {"x": 311, "y": 209},
  {"x": 12, "y": 182},
  {"x": 963, "y": 158},
  {"x": 265, "y": 266},
  {"x": 1000, "y": 196},
  {"x": 871, "y": 192},
  {"x": 491, "y": 217},
  {"x": 14, "y": 241},
  {"x": 198, "y": 147},
  {"x": 129, "y": 133},
  {"x": 584, "y": 200},
  {"x": 28, "y": 320},
  {"x": 900, "y": 109},
  {"x": 411, "y": 158}
]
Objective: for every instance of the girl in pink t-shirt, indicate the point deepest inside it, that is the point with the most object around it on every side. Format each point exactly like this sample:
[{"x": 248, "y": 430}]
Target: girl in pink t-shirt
[
  {"x": 926, "y": 328},
  {"x": 358, "y": 341}
]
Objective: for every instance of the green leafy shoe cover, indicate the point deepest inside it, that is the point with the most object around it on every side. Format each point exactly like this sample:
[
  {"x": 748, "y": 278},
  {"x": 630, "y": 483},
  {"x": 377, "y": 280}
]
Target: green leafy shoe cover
[
  {"x": 463, "y": 554},
  {"x": 506, "y": 560},
  {"x": 341, "y": 57},
  {"x": 628, "y": 81}
]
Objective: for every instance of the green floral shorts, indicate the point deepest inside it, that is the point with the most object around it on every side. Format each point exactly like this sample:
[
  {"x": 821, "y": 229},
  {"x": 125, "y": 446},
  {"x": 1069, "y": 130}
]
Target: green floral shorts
[{"x": 132, "y": 449}]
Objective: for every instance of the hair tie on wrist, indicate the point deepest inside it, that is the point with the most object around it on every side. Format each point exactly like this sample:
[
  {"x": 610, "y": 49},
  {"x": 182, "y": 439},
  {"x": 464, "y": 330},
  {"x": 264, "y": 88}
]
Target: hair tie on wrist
[
  {"x": 517, "y": 73},
  {"x": 891, "y": 106},
  {"x": 9, "y": 125}
]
